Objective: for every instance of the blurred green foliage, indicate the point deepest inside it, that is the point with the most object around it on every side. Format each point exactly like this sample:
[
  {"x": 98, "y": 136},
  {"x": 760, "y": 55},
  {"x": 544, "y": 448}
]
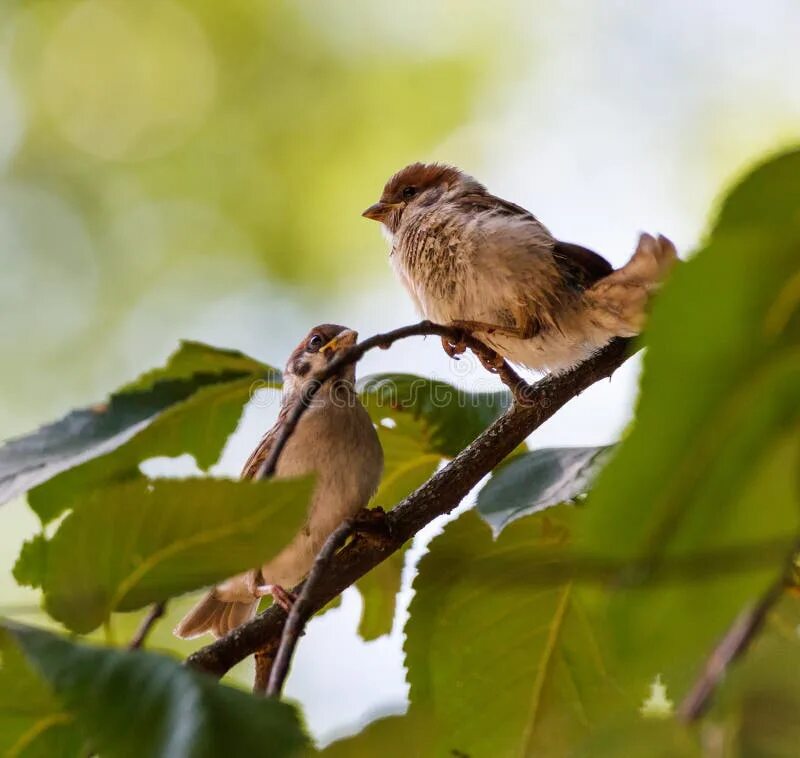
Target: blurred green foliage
[
  {"x": 157, "y": 120},
  {"x": 545, "y": 640},
  {"x": 159, "y": 156},
  {"x": 63, "y": 700}
]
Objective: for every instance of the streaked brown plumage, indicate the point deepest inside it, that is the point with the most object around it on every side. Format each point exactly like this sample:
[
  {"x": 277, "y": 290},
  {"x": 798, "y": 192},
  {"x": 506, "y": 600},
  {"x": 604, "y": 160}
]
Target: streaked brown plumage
[
  {"x": 469, "y": 258},
  {"x": 336, "y": 441}
]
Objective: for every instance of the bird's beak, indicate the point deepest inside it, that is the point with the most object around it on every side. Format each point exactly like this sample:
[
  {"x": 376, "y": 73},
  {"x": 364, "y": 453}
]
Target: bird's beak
[
  {"x": 380, "y": 211},
  {"x": 344, "y": 339}
]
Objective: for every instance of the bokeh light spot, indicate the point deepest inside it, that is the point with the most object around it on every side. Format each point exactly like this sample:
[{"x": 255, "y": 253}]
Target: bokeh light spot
[
  {"x": 128, "y": 81},
  {"x": 49, "y": 300},
  {"x": 12, "y": 120}
]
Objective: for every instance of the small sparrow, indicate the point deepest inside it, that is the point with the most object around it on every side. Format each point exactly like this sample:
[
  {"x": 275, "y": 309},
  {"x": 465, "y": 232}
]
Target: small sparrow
[
  {"x": 482, "y": 264},
  {"x": 336, "y": 441}
]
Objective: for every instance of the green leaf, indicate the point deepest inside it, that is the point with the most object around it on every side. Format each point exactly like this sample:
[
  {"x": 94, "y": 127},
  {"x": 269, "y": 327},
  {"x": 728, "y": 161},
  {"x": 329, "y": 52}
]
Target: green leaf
[
  {"x": 30, "y": 567},
  {"x": 407, "y": 465},
  {"x": 667, "y": 622},
  {"x": 537, "y": 480},
  {"x": 447, "y": 418},
  {"x": 190, "y": 405},
  {"x": 420, "y": 422},
  {"x": 137, "y": 543},
  {"x": 759, "y": 698},
  {"x": 388, "y": 737},
  {"x": 636, "y": 737},
  {"x": 721, "y": 376},
  {"x": 379, "y": 590},
  {"x": 199, "y": 425},
  {"x": 133, "y": 704},
  {"x": 195, "y": 359},
  {"x": 707, "y": 478},
  {"x": 632, "y": 737},
  {"x": 32, "y": 721},
  {"x": 499, "y": 648}
]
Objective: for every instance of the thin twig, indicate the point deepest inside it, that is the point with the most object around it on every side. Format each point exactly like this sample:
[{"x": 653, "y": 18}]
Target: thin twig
[
  {"x": 263, "y": 660},
  {"x": 148, "y": 622},
  {"x": 369, "y": 523},
  {"x": 735, "y": 642},
  {"x": 439, "y": 495},
  {"x": 518, "y": 387},
  {"x": 303, "y": 608}
]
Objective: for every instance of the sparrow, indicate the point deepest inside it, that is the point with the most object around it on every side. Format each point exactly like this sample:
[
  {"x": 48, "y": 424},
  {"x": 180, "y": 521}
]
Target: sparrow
[
  {"x": 489, "y": 267},
  {"x": 336, "y": 441}
]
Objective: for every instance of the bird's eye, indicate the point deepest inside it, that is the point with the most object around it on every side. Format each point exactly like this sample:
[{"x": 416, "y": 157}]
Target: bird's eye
[
  {"x": 409, "y": 192},
  {"x": 314, "y": 343}
]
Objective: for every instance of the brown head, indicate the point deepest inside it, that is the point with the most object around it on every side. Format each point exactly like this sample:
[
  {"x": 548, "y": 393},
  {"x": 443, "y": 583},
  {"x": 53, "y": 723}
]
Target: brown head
[
  {"x": 417, "y": 185},
  {"x": 319, "y": 347}
]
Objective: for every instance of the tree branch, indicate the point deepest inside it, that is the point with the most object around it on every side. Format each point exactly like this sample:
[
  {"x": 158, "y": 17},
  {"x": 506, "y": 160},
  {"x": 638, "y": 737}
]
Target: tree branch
[
  {"x": 303, "y": 608},
  {"x": 439, "y": 495},
  {"x": 734, "y": 644},
  {"x": 263, "y": 659},
  {"x": 518, "y": 387},
  {"x": 156, "y": 611}
]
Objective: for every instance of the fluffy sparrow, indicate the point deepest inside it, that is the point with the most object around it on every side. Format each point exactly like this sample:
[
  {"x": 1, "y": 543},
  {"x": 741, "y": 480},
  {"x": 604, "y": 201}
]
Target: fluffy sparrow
[
  {"x": 474, "y": 261},
  {"x": 336, "y": 441}
]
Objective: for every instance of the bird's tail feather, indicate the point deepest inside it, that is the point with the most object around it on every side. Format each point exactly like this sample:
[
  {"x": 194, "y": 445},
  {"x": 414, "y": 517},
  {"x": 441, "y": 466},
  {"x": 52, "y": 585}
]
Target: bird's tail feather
[
  {"x": 618, "y": 302},
  {"x": 216, "y": 616}
]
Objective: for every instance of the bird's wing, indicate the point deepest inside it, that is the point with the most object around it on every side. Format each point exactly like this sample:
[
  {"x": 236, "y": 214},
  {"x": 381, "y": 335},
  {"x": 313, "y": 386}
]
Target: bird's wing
[
  {"x": 477, "y": 202},
  {"x": 503, "y": 220},
  {"x": 579, "y": 266},
  {"x": 259, "y": 455}
]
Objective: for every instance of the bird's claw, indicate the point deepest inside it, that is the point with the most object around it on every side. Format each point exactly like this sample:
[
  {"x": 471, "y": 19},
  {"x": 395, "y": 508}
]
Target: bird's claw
[
  {"x": 453, "y": 349},
  {"x": 491, "y": 361},
  {"x": 253, "y": 580},
  {"x": 372, "y": 523},
  {"x": 283, "y": 597}
]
